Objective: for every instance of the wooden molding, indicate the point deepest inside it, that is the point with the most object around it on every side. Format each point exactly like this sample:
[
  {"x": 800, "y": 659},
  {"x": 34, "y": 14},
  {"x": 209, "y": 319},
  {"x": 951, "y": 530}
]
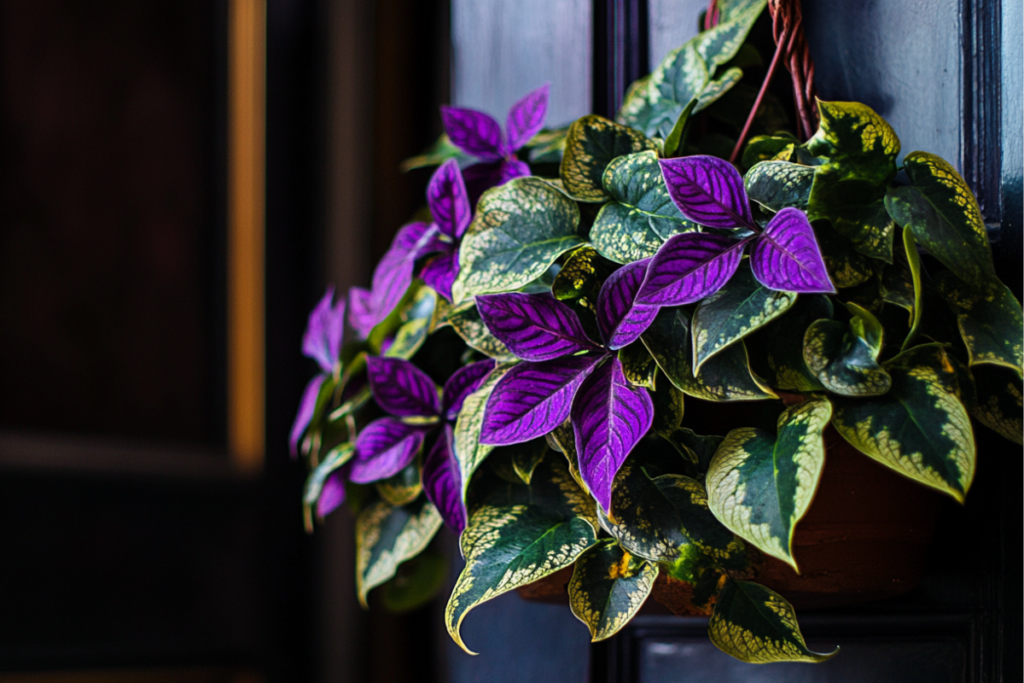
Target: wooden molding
[{"x": 246, "y": 145}]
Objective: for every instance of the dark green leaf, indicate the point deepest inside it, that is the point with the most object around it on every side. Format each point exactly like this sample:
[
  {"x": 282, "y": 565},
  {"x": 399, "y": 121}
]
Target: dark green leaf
[
  {"x": 760, "y": 485},
  {"x": 466, "y": 321},
  {"x": 843, "y": 357},
  {"x": 563, "y": 440},
  {"x": 767, "y": 147},
  {"x": 846, "y": 266},
  {"x": 756, "y": 625},
  {"x": 669, "y": 407},
  {"x": 608, "y": 587},
  {"x": 856, "y": 208},
  {"x": 386, "y": 536},
  {"x": 989, "y": 318},
  {"x": 435, "y": 155},
  {"x": 526, "y": 456},
  {"x": 737, "y": 309},
  {"x": 999, "y": 404},
  {"x": 591, "y": 145},
  {"x": 778, "y": 184},
  {"x": 641, "y": 216},
  {"x": 468, "y": 449},
  {"x": 546, "y": 146},
  {"x": 699, "y": 450},
  {"x": 638, "y": 366},
  {"x": 920, "y": 428},
  {"x": 416, "y": 583},
  {"x": 725, "y": 377},
  {"x": 402, "y": 488},
  {"x": 786, "y": 343},
  {"x": 857, "y": 142},
  {"x": 677, "y": 136},
  {"x": 520, "y": 228}
]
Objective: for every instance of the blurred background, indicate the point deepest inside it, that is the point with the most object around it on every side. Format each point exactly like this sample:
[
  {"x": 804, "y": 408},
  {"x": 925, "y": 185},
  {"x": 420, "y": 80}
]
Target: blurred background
[{"x": 180, "y": 179}]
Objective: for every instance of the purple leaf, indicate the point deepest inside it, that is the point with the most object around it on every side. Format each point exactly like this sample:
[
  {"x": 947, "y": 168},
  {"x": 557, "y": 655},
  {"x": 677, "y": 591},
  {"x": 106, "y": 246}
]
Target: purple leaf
[
  {"x": 708, "y": 191},
  {"x": 361, "y": 315},
  {"x": 511, "y": 169},
  {"x": 322, "y": 340},
  {"x": 384, "y": 448},
  {"x": 442, "y": 481},
  {"x": 482, "y": 177},
  {"x": 464, "y": 382},
  {"x": 393, "y": 275},
  {"x": 401, "y": 388},
  {"x": 620, "y": 319},
  {"x": 474, "y": 132},
  {"x": 440, "y": 272},
  {"x": 609, "y": 417},
  {"x": 526, "y": 117},
  {"x": 689, "y": 267},
  {"x": 534, "y": 327},
  {"x": 786, "y": 255},
  {"x": 533, "y": 398},
  {"x": 448, "y": 201},
  {"x": 332, "y": 494},
  {"x": 306, "y": 407}
]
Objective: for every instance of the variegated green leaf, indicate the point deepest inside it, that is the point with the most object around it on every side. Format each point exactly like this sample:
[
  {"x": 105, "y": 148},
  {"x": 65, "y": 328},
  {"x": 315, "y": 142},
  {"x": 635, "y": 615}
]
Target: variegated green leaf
[
  {"x": 510, "y": 546},
  {"x": 520, "y": 228},
  {"x": 335, "y": 458},
  {"x": 526, "y": 456},
  {"x": 767, "y": 147},
  {"x": 546, "y": 146},
  {"x": 402, "y": 488},
  {"x": 856, "y": 208},
  {"x": 897, "y": 284},
  {"x": 641, "y": 216},
  {"x": 847, "y": 267},
  {"x": 844, "y": 357},
  {"x": 681, "y": 77},
  {"x": 638, "y": 366},
  {"x": 697, "y": 449},
  {"x": 582, "y": 275},
  {"x": 778, "y": 184},
  {"x": 914, "y": 266},
  {"x": 592, "y": 143},
  {"x": 920, "y": 428},
  {"x": 409, "y": 338},
  {"x": 737, "y": 309},
  {"x": 760, "y": 486},
  {"x": 388, "y": 535},
  {"x": 786, "y": 343},
  {"x": 999, "y": 404},
  {"x": 468, "y": 449},
  {"x": 669, "y": 407},
  {"x": 944, "y": 215},
  {"x": 725, "y": 377},
  {"x": 608, "y": 587},
  {"x": 757, "y": 625},
  {"x": 466, "y": 321},
  {"x": 989, "y": 319},
  {"x": 721, "y": 43},
  {"x": 563, "y": 440},
  {"x": 856, "y": 142}
]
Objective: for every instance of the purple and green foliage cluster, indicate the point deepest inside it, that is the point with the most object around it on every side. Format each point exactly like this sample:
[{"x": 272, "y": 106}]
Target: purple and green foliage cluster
[{"x": 521, "y": 362}]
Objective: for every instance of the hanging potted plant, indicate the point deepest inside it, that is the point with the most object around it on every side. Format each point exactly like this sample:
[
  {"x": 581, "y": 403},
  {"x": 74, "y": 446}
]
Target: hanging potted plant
[{"x": 553, "y": 370}]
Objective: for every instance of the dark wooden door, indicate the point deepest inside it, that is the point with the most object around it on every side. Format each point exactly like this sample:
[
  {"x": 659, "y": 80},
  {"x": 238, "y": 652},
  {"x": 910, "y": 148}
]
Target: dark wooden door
[{"x": 947, "y": 74}]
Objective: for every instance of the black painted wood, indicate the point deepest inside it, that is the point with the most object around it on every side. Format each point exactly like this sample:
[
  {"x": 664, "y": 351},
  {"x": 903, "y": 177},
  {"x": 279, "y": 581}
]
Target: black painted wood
[{"x": 620, "y": 51}]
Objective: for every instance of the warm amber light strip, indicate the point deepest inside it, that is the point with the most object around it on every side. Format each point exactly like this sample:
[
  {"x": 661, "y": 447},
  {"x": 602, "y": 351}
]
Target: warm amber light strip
[{"x": 247, "y": 31}]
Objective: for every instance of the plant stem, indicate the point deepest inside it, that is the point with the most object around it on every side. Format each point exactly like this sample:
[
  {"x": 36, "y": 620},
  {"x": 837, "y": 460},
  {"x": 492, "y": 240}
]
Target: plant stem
[{"x": 757, "y": 103}]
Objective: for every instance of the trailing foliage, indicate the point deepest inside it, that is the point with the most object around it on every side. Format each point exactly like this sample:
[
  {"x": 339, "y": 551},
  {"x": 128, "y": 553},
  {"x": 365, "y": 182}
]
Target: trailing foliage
[{"x": 522, "y": 367}]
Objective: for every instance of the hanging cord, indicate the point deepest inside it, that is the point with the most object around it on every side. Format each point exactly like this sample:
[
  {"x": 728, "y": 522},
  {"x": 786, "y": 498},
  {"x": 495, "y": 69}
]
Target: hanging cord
[{"x": 790, "y": 45}]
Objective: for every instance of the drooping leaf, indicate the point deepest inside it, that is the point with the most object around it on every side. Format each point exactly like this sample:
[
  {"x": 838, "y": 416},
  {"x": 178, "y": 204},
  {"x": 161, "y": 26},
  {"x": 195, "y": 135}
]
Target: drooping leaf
[
  {"x": 473, "y": 132},
  {"x": 526, "y": 117},
  {"x": 387, "y": 536},
  {"x": 844, "y": 357},
  {"x": 944, "y": 215},
  {"x": 469, "y": 450},
  {"x": 393, "y": 275},
  {"x": 608, "y": 587},
  {"x": 401, "y": 388},
  {"x": 721, "y": 43},
  {"x": 724, "y": 377},
  {"x": 856, "y": 141},
  {"x": 526, "y": 456},
  {"x": 653, "y": 104},
  {"x": 847, "y": 267},
  {"x": 442, "y": 480},
  {"x": 581, "y": 275},
  {"x": 519, "y": 230},
  {"x": 786, "y": 256},
  {"x": 448, "y": 200},
  {"x": 533, "y": 398},
  {"x": 708, "y": 191},
  {"x": 408, "y": 339},
  {"x": 786, "y": 343},
  {"x": 760, "y": 485},
  {"x": 989, "y": 319},
  {"x": 534, "y": 327},
  {"x": 638, "y": 366},
  {"x": 855, "y": 207},
  {"x": 766, "y": 148},
  {"x": 920, "y": 428},
  {"x": 402, "y": 488},
  {"x": 591, "y": 144},
  {"x": 322, "y": 338},
  {"x": 999, "y": 405},
  {"x": 676, "y": 139},
  {"x": 777, "y": 185},
  {"x": 609, "y": 417},
  {"x": 734, "y": 311},
  {"x": 466, "y": 321},
  {"x": 641, "y": 215},
  {"x": 307, "y": 409},
  {"x": 415, "y": 583},
  {"x": 690, "y": 267},
  {"x": 757, "y": 625},
  {"x": 384, "y": 447},
  {"x": 619, "y": 318},
  {"x": 508, "y": 547},
  {"x": 563, "y": 439}
]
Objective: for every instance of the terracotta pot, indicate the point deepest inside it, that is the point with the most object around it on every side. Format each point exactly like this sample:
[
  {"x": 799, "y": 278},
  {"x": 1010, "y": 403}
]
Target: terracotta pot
[{"x": 864, "y": 538}]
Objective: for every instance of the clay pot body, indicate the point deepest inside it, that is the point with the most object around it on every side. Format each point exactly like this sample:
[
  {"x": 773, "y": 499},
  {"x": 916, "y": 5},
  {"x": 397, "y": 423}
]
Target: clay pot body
[{"x": 865, "y": 537}]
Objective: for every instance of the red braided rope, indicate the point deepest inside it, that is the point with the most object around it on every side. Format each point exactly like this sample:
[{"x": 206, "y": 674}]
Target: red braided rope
[{"x": 791, "y": 46}]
